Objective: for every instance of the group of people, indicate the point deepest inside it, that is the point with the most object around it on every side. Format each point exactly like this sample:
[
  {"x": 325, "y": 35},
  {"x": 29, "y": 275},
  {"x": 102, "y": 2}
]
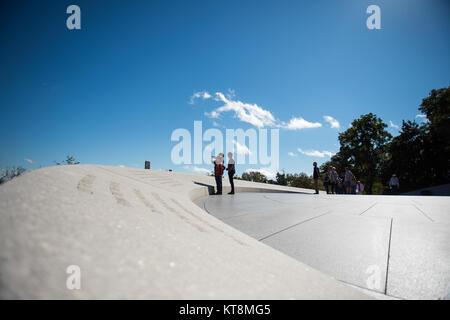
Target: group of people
[
  {"x": 346, "y": 183},
  {"x": 332, "y": 181},
  {"x": 336, "y": 184},
  {"x": 219, "y": 168}
]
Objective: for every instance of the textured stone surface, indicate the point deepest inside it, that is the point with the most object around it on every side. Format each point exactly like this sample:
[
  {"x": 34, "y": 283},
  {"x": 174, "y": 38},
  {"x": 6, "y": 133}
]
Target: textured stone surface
[{"x": 137, "y": 234}]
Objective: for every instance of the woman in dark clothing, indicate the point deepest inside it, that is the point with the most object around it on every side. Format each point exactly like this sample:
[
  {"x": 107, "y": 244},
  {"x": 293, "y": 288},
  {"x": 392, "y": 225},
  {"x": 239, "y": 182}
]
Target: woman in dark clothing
[
  {"x": 231, "y": 171},
  {"x": 326, "y": 182}
]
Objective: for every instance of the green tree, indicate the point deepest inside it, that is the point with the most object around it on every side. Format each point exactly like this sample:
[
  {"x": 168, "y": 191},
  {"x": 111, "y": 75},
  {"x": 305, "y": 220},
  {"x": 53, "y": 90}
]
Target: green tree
[
  {"x": 364, "y": 148},
  {"x": 420, "y": 154},
  {"x": 281, "y": 179},
  {"x": 436, "y": 151},
  {"x": 69, "y": 161},
  {"x": 301, "y": 180},
  {"x": 254, "y": 176},
  {"x": 10, "y": 173},
  {"x": 406, "y": 157}
]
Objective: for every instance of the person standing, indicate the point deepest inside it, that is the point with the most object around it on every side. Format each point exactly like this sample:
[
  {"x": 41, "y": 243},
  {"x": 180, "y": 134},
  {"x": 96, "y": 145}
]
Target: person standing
[
  {"x": 348, "y": 181},
  {"x": 333, "y": 179},
  {"x": 316, "y": 175},
  {"x": 353, "y": 184},
  {"x": 359, "y": 187},
  {"x": 218, "y": 171},
  {"x": 394, "y": 184},
  {"x": 326, "y": 182},
  {"x": 340, "y": 185},
  {"x": 231, "y": 171}
]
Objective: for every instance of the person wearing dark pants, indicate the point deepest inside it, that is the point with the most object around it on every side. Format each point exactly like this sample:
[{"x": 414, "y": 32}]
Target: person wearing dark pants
[
  {"x": 219, "y": 184},
  {"x": 316, "y": 175},
  {"x": 326, "y": 183},
  {"x": 333, "y": 179},
  {"x": 218, "y": 171},
  {"x": 231, "y": 171},
  {"x": 394, "y": 184}
]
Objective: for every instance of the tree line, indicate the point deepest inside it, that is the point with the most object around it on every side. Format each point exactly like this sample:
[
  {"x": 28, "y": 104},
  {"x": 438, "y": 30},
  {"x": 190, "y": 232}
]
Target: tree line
[{"x": 419, "y": 155}]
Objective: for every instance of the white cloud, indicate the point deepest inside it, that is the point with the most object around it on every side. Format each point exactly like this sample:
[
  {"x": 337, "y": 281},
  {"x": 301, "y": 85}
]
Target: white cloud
[
  {"x": 201, "y": 94},
  {"x": 251, "y": 113},
  {"x": 291, "y": 154},
  {"x": 268, "y": 173},
  {"x": 213, "y": 114},
  {"x": 246, "y": 112},
  {"x": 393, "y": 125},
  {"x": 197, "y": 169},
  {"x": 328, "y": 153},
  {"x": 300, "y": 123},
  {"x": 231, "y": 94},
  {"x": 28, "y": 160},
  {"x": 423, "y": 117},
  {"x": 332, "y": 121},
  {"x": 316, "y": 153},
  {"x": 241, "y": 149}
]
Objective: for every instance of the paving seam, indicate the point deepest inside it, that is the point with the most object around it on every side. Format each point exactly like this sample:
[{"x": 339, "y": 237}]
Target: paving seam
[
  {"x": 388, "y": 258},
  {"x": 204, "y": 206},
  {"x": 368, "y": 208},
  {"x": 294, "y": 225},
  {"x": 371, "y": 290},
  {"x": 264, "y": 196},
  {"x": 423, "y": 213}
]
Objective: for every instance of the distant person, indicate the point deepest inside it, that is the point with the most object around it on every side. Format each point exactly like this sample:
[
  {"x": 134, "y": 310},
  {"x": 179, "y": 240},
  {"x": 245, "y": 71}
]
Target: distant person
[
  {"x": 326, "y": 182},
  {"x": 218, "y": 171},
  {"x": 340, "y": 185},
  {"x": 353, "y": 183},
  {"x": 316, "y": 175},
  {"x": 394, "y": 184},
  {"x": 333, "y": 179},
  {"x": 231, "y": 171},
  {"x": 348, "y": 180},
  {"x": 359, "y": 187}
]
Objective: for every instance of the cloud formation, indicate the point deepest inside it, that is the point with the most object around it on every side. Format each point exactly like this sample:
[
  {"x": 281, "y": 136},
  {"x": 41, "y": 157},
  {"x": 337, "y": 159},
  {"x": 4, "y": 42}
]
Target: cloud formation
[
  {"x": 393, "y": 125},
  {"x": 316, "y": 153},
  {"x": 300, "y": 123},
  {"x": 251, "y": 113},
  {"x": 291, "y": 154},
  {"x": 241, "y": 149},
  {"x": 423, "y": 117},
  {"x": 332, "y": 121},
  {"x": 197, "y": 169},
  {"x": 245, "y": 112},
  {"x": 202, "y": 94}
]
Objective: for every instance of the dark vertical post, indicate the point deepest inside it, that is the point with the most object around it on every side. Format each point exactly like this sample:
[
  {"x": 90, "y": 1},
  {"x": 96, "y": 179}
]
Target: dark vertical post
[{"x": 147, "y": 164}]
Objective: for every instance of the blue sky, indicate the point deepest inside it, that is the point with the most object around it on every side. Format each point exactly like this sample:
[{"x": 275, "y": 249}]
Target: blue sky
[{"x": 113, "y": 92}]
